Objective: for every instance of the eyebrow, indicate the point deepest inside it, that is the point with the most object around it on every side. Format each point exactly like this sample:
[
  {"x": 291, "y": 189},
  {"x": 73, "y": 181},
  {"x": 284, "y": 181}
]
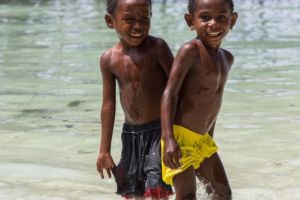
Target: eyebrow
[
  {"x": 208, "y": 11},
  {"x": 130, "y": 13}
]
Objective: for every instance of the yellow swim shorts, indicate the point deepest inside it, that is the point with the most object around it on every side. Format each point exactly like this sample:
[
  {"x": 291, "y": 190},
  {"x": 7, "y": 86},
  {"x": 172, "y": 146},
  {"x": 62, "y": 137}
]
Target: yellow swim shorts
[{"x": 194, "y": 149}]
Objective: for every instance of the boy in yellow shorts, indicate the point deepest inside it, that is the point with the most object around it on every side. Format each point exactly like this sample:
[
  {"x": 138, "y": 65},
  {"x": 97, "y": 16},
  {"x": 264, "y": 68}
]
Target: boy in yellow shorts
[{"x": 192, "y": 101}]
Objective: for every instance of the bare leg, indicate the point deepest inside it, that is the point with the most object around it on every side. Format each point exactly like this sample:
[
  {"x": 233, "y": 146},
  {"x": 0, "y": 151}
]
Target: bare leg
[
  {"x": 185, "y": 185},
  {"x": 212, "y": 172}
]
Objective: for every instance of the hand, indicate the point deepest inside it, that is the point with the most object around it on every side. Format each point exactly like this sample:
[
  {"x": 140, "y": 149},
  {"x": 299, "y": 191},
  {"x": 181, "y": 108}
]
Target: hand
[
  {"x": 172, "y": 154},
  {"x": 105, "y": 162}
]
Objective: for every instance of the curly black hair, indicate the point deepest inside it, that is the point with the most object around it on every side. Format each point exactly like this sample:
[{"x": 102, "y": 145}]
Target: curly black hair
[
  {"x": 112, "y": 4},
  {"x": 192, "y": 5}
]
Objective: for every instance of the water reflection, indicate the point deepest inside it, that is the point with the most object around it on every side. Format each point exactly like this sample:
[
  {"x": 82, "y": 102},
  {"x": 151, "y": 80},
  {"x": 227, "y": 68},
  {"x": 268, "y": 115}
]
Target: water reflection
[
  {"x": 268, "y": 20},
  {"x": 53, "y": 39}
]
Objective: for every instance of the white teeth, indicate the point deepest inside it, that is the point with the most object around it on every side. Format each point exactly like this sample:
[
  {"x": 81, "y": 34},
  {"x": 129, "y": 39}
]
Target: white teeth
[
  {"x": 214, "y": 33},
  {"x": 136, "y": 35}
]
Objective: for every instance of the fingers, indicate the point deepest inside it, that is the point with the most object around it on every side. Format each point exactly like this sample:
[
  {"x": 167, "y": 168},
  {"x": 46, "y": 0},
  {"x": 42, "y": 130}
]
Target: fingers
[
  {"x": 99, "y": 169},
  {"x": 108, "y": 173},
  {"x": 172, "y": 160},
  {"x": 176, "y": 160},
  {"x": 179, "y": 157},
  {"x": 101, "y": 173},
  {"x": 169, "y": 162},
  {"x": 105, "y": 163}
]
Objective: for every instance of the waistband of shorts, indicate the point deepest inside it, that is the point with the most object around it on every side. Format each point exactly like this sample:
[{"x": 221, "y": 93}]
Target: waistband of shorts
[{"x": 141, "y": 127}]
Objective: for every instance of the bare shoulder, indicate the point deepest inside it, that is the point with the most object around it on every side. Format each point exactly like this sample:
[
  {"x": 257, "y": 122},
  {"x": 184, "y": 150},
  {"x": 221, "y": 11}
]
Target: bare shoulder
[
  {"x": 106, "y": 59},
  {"x": 229, "y": 57},
  {"x": 187, "y": 56},
  {"x": 190, "y": 49},
  {"x": 158, "y": 43},
  {"x": 106, "y": 55}
]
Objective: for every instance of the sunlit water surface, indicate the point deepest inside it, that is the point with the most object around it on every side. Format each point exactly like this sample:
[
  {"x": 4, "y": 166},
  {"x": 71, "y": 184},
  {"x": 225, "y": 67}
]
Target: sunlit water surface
[{"x": 50, "y": 95}]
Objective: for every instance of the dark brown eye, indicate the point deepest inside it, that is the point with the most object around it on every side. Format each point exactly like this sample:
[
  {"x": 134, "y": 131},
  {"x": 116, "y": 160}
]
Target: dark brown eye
[
  {"x": 221, "y": 18},
  {"x": 129, "y": 20},
  {"x": 205, "y": 18}
]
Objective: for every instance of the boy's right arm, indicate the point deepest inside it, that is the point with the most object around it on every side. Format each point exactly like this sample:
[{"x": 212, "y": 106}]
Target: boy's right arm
[
  {"x": 105, "y": 161},
  {"x": 181, "y": 65}
]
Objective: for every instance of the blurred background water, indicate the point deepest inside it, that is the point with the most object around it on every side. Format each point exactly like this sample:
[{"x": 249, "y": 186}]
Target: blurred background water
[{"x": 50, "y": 95}]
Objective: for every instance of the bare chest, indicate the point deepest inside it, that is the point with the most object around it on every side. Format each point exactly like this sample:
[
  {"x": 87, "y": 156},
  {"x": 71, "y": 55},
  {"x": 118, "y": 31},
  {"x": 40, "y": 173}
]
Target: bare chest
[
  {"x": 209, "y": 73},
  {"x": 137, "y": 70}
]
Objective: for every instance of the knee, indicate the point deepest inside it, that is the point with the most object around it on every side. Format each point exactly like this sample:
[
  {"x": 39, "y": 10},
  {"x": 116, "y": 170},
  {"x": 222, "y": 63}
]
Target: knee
[
  {"x": 226, "y": 194},
  {"x": 187, "y": 196}
]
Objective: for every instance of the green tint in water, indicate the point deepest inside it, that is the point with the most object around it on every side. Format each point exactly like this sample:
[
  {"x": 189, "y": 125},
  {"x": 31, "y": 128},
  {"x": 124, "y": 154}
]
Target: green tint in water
[{"x": 51, "y": 95}]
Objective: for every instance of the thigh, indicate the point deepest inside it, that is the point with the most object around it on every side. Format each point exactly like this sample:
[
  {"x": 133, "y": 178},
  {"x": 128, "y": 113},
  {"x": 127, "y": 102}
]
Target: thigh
[
  {"x": 152, "y": 166},
  {"x": 212, "y": 171},
  {"x": 185, "y": 184},
  {"x": 152, "y": 159}
]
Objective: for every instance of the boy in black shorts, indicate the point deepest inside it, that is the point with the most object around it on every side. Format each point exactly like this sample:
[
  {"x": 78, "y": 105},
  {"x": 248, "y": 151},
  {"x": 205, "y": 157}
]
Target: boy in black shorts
[{"x": 140, "y": 65}]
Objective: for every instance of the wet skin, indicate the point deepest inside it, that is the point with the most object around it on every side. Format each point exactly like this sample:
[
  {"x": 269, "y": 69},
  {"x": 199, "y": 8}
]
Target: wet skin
[
  {"x": 140, "y": 65},
  {"x": 193, "y": 95}
]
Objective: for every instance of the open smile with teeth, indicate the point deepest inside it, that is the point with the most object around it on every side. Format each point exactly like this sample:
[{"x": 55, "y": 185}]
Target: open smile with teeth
[
  {"x": 214, "y": 34},
  {"x": 136, "y": 35}
]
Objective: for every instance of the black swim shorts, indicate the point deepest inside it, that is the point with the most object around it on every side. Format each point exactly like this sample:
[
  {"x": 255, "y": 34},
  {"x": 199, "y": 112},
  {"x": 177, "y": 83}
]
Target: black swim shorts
[{"x": 138, "y": 173}]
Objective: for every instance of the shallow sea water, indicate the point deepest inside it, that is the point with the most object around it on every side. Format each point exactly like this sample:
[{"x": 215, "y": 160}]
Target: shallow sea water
[{"x": 50, "y": 95}]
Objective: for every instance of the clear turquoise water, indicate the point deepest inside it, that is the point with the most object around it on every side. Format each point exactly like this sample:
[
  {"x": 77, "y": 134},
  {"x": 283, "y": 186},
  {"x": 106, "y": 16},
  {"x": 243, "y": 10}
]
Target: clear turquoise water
[{"x": 50, "y": 95}]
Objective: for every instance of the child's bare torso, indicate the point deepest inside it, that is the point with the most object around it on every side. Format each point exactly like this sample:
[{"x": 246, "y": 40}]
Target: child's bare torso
[
  {"x": 202, "y": 89},
  {"x": 141, "y": 81}
]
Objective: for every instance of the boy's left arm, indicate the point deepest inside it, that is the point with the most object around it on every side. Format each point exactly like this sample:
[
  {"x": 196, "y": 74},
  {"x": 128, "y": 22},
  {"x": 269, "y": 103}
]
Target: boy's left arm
[
  {"x": 165, "y": 56},
  {"x": 229, "y": 57}
]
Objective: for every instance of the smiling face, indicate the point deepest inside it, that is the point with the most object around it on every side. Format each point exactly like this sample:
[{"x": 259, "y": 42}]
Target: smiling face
[
  {"x": 212, "y": 20},
  {"x": 131, "y": 20}
]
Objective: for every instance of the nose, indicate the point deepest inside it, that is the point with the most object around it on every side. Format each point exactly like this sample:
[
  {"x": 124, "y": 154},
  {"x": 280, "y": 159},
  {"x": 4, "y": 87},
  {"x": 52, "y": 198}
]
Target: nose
[
  {"x": 138, "y": 25},
  {"x": 212, "y": 22}
]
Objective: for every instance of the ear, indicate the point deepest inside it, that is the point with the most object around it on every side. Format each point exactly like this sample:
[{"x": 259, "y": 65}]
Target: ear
[
  {"x": 234, "y": 17},
  {"x": 109, "y": 20},
  {"x": 189, "y": 21}
]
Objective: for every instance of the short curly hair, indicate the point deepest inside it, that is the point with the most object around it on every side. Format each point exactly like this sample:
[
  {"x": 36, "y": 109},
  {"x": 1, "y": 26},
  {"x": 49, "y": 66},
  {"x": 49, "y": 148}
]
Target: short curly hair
[
  {"x": 111, "y": 5},
  {"x": 192, "y": 5}
]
